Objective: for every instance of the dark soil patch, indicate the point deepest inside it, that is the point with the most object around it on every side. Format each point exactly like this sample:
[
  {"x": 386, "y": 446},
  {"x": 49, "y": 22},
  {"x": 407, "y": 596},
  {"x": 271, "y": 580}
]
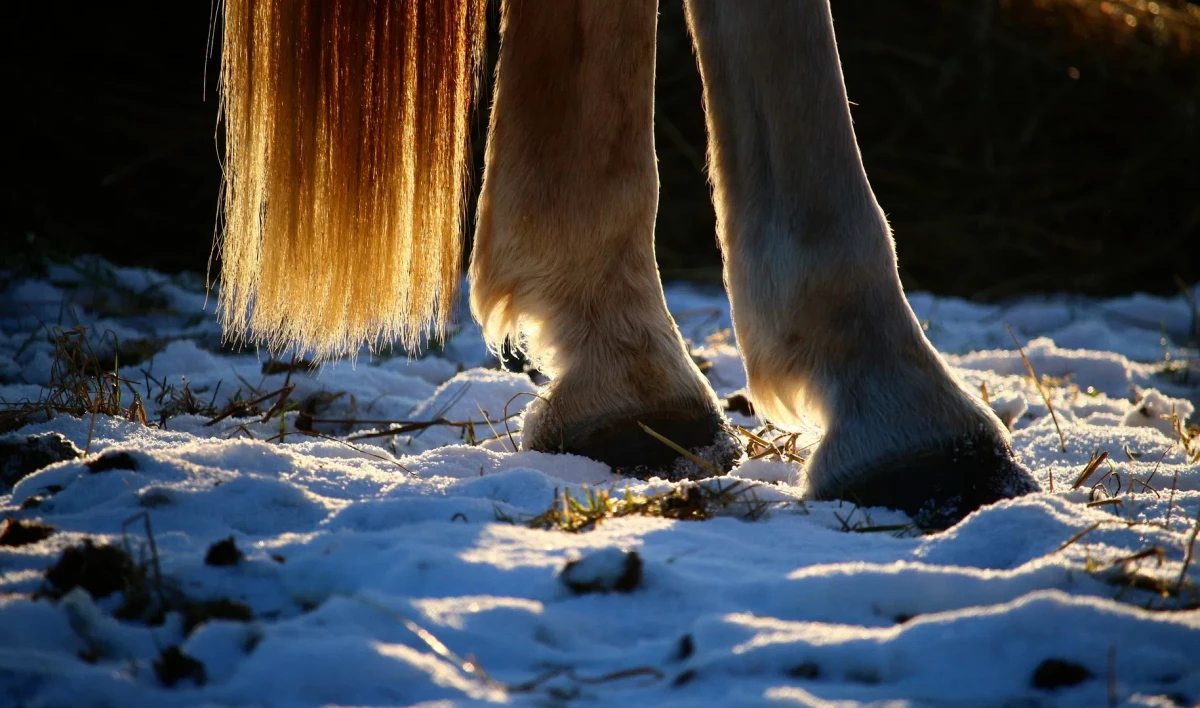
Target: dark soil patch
[
  {"x": 685, "y": 648},
  {"x": 223, "y": 552},
  {"x": 197, "y": 613},
  {"x": 113, "y": 460},
  {"x": 807, "y": 670},
  {"x": 173, "y": 666},
  {"x": 580, "y": 579},
  {"x": 1053, "y": 674},
  {"x": 739, "y": 403},
  {"x": 21, "y": 456},
  {"x": 684, "y": 678},
  {"x": 24, "y": 533},
  {"x": 100, "y": 570}
]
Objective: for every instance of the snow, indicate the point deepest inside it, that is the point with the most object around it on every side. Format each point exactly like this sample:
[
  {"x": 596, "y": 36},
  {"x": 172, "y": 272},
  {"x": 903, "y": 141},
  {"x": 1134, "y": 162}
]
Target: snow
[{"x": 398, "y": 570}]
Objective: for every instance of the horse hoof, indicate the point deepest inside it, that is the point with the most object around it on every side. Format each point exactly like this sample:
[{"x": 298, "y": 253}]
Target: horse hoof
[
  {"x": 938, "y": 487},
  {"x": 626, "y": 446}
]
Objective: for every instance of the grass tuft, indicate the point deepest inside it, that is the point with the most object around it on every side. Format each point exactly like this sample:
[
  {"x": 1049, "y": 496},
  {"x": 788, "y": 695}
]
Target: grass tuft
[
  {"x": 82, "y": 383},
  {"x": 687, "y": 502}
]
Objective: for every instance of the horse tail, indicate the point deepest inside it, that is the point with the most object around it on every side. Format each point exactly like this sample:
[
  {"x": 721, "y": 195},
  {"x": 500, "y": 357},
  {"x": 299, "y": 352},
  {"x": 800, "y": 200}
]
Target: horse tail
[{"x": 346, "y": 143}]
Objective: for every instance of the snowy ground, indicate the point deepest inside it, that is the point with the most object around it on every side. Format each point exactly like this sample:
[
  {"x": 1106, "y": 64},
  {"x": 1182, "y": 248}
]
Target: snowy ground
[{"x": 400, "y": 569}]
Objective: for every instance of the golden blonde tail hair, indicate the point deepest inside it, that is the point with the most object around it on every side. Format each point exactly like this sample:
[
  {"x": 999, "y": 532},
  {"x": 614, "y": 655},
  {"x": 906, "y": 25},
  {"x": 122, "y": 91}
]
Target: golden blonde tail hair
[{"x": 345, "y": 149}]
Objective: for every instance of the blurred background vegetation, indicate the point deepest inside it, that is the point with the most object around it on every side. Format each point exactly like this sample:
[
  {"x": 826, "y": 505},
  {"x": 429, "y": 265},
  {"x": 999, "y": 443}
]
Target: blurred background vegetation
[{"x": 1018, "y": 146}]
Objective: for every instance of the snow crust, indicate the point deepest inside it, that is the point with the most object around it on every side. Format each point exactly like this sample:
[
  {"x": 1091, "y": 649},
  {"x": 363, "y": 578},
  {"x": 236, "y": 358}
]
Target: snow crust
[{"x": 363, "y": 557}]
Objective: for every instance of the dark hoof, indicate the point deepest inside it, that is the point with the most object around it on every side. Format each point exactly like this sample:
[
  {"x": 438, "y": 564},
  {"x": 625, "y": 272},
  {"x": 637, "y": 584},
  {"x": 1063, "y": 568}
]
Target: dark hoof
[
  {"x": 939, "y": 487},
  {"x": 626, "y": 447}
]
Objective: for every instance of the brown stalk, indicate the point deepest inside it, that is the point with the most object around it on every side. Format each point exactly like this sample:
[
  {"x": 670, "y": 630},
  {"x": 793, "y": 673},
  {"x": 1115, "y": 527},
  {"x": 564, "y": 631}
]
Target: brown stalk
[{"x": 1029, "y": 367}]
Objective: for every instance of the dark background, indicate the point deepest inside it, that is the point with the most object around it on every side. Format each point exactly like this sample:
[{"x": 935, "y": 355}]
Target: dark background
[{"x": 1018, "y": 146}]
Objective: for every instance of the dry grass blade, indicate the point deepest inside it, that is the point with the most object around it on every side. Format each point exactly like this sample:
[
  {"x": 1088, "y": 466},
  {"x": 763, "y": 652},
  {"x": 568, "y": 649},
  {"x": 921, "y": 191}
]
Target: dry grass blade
[
  {"x": 677, "y": 448},
  {"x": 1090, "y": 468},
  {"x": 1188, "y": 553},
  {"x": 467, "y": 666},
  {"x": 1171, "y": 503},
  {"x": 471, "y": 667},
  {"x": 767, "y": 447},
  {"x": 1128, "y": 574},
  {"x": 1074, "y": 538},
  {"x": 1045, "y": 397}
]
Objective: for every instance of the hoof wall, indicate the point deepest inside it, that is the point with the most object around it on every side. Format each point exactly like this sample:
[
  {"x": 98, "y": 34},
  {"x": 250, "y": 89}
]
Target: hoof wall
[
  {"x": 939, "y": 487},
  {"x": 626, "y": 447}
]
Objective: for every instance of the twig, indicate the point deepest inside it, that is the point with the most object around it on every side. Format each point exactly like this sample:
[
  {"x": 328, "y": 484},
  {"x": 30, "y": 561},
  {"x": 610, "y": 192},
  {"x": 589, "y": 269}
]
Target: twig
[
  {"x": 330, "y": 438},
  {"x": 233, "y": 408},
  {"x": 440, "y": 415},
  {"x": 846, "y": 521},
  {"x": 493, "y": 428},
  {"x": 1156, "y": 466},
  {"x": 417, "y": 424},
  {"x": 1145, "y": 486},
  {"x": 1062, "y": 440},
  {"x": 405, "y": 428}
]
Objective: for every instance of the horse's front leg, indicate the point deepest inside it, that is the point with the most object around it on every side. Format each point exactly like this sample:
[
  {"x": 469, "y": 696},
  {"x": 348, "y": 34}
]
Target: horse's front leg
[
  {"x": 564, "y": 250},
  {"x": 818, "y": 308}
]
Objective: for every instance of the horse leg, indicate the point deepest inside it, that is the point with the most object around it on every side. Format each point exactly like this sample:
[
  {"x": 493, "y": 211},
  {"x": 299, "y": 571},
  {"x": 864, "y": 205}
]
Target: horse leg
[
  {"x": 563, "y": 259},
  {"x": 818, "y": 308}
]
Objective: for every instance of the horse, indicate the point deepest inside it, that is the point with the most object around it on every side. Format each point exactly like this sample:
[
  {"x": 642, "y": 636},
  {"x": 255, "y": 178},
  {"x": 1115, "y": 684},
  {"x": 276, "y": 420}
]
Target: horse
[{"x": 346, "y": 144}]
